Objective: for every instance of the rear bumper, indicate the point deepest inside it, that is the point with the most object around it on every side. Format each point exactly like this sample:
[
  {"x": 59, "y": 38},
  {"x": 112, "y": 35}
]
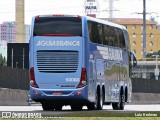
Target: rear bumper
[{"x": 69, "y": 96}]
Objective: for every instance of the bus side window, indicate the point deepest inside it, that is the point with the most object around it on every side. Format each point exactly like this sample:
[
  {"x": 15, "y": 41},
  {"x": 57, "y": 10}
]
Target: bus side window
[
  {"x": 95, "y": 32},
  {"x": 106, "y": 35}
]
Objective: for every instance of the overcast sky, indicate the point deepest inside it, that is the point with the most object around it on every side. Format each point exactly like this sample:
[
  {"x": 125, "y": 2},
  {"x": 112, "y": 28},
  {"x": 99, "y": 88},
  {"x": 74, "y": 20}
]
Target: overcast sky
[{"x": 123, "y": 8}]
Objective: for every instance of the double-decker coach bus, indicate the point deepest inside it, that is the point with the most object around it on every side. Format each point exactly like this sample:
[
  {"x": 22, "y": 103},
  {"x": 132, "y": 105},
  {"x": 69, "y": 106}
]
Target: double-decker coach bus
[{"x": 79, "y": 61}]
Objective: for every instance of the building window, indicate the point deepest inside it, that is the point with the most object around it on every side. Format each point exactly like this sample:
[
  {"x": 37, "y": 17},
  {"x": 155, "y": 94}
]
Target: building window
[
  {"x": 134, "y": 43},
  {"x": 151, "y": 26},
  {"x": 134, "y": 51},
  {"x": 142, "y": 35},
  {"x": 141, "y": 26},
  {"x": 151, "y": 35},
  {"x": 151, "y": 51},
  {"x": 134, "y": 27},
  {"x": 134, "y": 35},
  {"x": 151, "y": 43},
  {"x": 142, "y": 43}
]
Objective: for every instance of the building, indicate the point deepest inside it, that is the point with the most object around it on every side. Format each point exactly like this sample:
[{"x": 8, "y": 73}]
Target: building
[
  {"x": 27, "y": 33},
  {"x": 135, "y": 29},
  {"x": 8, "y": 32}
]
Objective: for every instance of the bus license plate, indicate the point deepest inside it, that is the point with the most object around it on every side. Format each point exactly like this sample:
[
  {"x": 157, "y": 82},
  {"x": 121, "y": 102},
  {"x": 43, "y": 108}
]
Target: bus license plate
[{"x": 57, "y": 93}]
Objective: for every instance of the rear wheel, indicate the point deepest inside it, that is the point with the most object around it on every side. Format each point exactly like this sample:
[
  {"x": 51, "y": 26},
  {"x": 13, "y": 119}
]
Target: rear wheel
[
  {"x": 47, "y": 106},
  {"x": 58, "y": 107},
  {"x": 76, "y": 107},
  {"x": 100, "y": 100},
  {"x": 91, "y": 106},
  {"x": 120, "y": 105}
]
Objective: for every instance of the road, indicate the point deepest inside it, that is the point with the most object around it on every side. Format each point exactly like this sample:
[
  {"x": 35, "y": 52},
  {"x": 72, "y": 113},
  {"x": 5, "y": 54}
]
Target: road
[
  {"x": 67, "y": 108},
  {"x": 135, "y": 109}
]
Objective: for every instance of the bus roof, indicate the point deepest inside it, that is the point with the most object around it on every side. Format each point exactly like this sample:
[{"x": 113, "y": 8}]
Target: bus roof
[{"x": 87, "y": 18}]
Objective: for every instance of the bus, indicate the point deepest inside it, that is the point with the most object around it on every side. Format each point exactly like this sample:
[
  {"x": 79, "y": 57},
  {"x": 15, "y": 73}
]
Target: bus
[{"x": 79, "y": 61}]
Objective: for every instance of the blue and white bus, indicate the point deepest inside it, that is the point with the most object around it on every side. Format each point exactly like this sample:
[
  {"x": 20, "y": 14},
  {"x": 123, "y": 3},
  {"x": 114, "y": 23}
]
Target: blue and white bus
[{"x": 79, "y": 61}]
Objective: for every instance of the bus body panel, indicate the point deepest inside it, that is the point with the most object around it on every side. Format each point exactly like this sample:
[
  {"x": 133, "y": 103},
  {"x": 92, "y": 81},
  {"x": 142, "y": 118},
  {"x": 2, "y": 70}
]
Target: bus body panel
[{"x": 48, "y": 60}]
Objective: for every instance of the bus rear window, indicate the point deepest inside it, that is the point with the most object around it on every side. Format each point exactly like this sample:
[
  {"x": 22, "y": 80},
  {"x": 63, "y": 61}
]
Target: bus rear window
[{"x": 57, "y": 26}]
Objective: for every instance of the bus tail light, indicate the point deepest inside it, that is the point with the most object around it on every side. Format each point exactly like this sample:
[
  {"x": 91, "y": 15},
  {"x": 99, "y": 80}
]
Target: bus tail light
[
  {"x": 83, "y": 80},
  {"x": 32, "y": 78}
]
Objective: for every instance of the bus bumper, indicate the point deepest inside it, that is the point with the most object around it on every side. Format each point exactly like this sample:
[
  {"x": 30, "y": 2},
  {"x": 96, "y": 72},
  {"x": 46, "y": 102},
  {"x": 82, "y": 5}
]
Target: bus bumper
[{"x": 59, "y": 95}]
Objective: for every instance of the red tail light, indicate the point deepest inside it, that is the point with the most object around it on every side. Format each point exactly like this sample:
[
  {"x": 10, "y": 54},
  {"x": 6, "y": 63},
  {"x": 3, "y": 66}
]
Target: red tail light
[
  {"x": 32, "y": 78},
  {"x": 83, "y": 80},
  {"x": 37, "y": 17},
  {"x": 79, "y": 16}
]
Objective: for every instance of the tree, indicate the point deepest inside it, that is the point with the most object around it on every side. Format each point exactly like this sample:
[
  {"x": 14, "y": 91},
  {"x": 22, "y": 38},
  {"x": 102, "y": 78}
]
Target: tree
[
  {"x": 152, "y": 55},
  {"x": 3, "y": 61}
]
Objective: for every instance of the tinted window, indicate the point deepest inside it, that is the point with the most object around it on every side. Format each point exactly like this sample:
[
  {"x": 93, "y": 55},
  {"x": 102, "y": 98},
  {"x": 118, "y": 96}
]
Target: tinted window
[
  {"x": 105, "y": 34},
  {"x": 95, "y": 32},
  {"x": 58, "y": 26}
]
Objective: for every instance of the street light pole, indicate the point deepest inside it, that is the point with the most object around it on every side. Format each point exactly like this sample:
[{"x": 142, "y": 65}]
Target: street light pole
[
  {"x": 144, "y": 35},
  {"x": 144, "y": 29}
]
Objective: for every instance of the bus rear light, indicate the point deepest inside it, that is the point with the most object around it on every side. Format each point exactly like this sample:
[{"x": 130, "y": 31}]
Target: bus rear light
[
  {"x": 79, "y": 16},
  {"x": 83, "y": 80},
  {"x": 79, "y": 92},
  {"x": 37, "y": 17},
  {"x": 35, "y": 92},
  {"x": 32, "y": 78}
]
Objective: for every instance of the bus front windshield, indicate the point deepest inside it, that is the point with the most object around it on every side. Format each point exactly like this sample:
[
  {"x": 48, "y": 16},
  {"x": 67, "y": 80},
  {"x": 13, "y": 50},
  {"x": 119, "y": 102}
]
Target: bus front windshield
[{"x": 57, "y": 26}]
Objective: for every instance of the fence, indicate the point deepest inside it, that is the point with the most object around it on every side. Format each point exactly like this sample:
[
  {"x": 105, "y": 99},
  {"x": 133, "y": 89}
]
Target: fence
[{"x": 16, "y": 78}]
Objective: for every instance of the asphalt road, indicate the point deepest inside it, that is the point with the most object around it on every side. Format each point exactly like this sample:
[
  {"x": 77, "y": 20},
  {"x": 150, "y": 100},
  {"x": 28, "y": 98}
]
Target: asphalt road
[
  {"x": 34, "y": 108},
  {"x": 135, "y": 109}
]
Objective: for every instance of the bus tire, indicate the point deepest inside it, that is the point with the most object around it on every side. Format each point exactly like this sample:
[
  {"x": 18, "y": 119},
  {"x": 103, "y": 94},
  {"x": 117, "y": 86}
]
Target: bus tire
[
  {"x": 91, "y": 106},
  {"x": 76, "y": 107},
  {"x": 120, "y": 104},
  {"x": 100, "y": 100},
  {"x": 47, "y": 107},
  {"x": 58, "y": 107}
]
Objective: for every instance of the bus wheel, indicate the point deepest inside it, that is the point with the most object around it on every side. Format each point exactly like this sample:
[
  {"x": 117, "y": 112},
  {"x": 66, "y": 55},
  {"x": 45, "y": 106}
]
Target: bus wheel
[
  {"x": 47, "y": 106},
  {"x": 120, "y": 104},
  {"x": 100, "y": 100},
  {"x": 76, "y": 107},
  {"x": 58, "y": 107},
  {"x": 91, "y": 106}
]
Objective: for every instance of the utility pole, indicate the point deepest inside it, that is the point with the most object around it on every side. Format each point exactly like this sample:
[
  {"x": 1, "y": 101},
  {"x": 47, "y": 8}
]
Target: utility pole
[
  {"x": 110, "y": 9},
  {"x": 144, "y": 29},
  {"x": 144, "y": 35}
]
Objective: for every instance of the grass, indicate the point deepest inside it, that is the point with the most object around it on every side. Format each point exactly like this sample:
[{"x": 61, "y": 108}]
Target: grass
[{"x": 97, "y": 115}]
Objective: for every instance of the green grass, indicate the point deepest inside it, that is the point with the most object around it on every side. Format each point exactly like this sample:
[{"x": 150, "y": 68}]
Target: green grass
[{"x": 98, "y": 115}]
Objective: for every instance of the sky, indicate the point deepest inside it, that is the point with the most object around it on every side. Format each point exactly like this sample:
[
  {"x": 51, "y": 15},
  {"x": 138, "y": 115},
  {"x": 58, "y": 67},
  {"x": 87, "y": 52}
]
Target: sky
[{"x": 122, "y": 8}]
